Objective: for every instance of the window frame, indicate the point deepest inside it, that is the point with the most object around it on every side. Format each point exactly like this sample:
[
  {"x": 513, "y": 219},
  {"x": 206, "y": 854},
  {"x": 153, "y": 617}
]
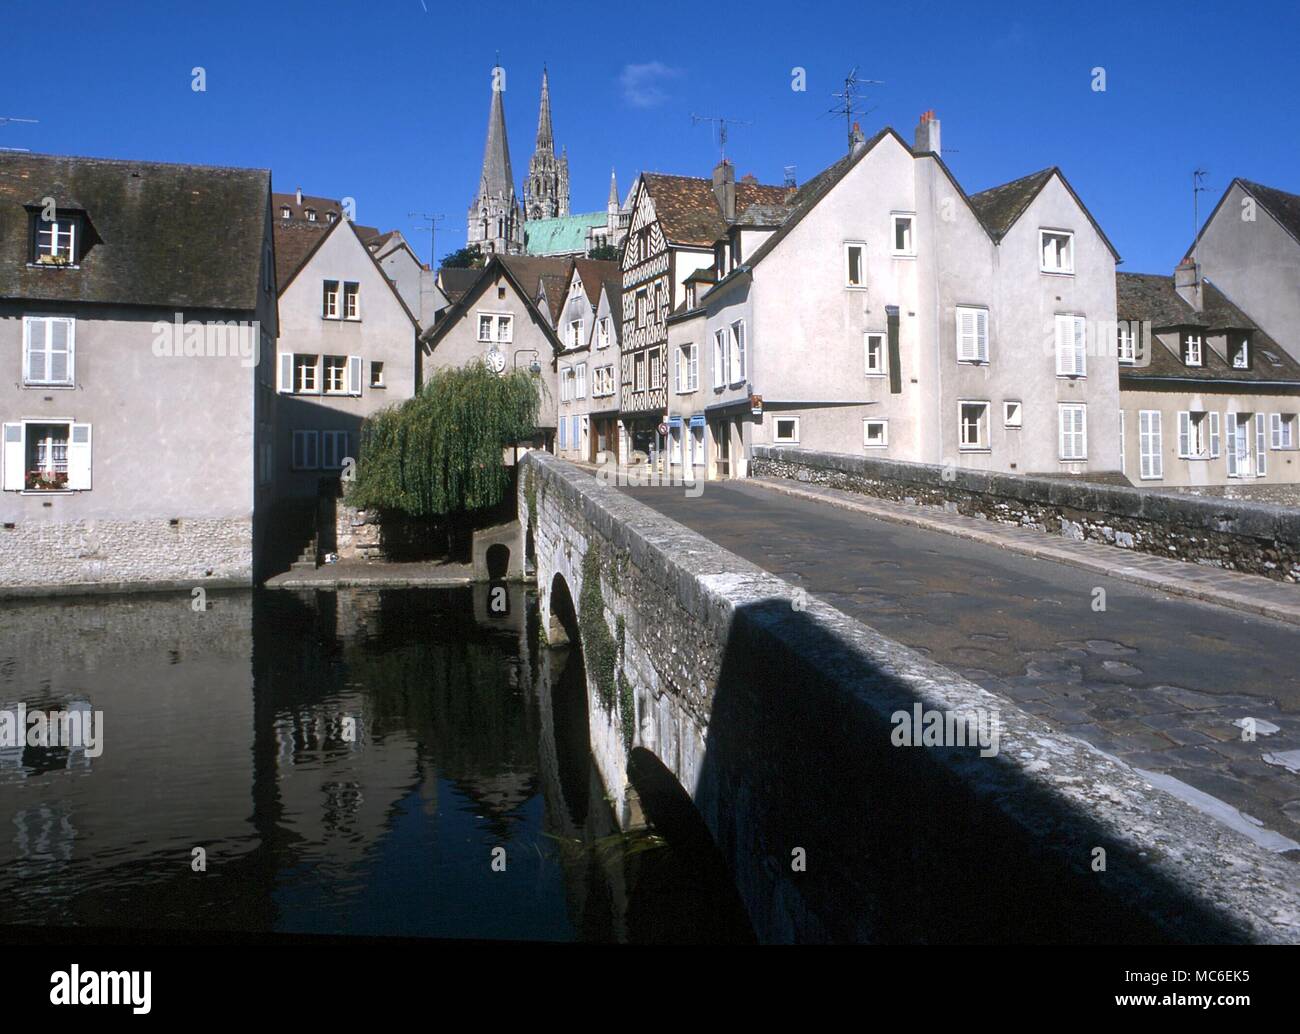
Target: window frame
[
  {"x": 1078, "y": 338},
  {"x": 1126, "y": 334},
  {"x": 331, "y": 296},
  {"x": 894, "y": 219},
  {"x": 351, "y": 296},
  {"x": 981, "y": 357},
  {"x": 1155, "y": 438},
  {"x": 861, "y": 247},
  {"x": 48, "y": 322},
  {"x": 738, "y": 354},
  {"x": 776, "y": 432},
  {"x": 1058, "y": 270},
  {"x": 331, "y": 364},
  {"x": 882, "y": 369},
  {"x": 1019, "y": 422},
  {"x": 1068, "y": 407},
  {"x": 1187, "y": 340},
  {"x": 316, "y": 369},
  {"x": 983, "y": 425},
  {"x": 883, "y": 443}
]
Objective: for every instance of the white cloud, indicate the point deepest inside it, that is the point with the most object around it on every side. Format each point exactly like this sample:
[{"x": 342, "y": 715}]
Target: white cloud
[{"x": 644, "y": 85}]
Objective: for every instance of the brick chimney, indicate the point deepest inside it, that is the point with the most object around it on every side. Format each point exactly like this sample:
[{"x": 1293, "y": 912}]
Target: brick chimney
[
  {"x": 857, "y": 139},
  {"x": 300, "y": 197},
  {"x": 724, "y": 189},
  {"x": 1187, "y": 282},
  {"x": 927, "y": 133}
]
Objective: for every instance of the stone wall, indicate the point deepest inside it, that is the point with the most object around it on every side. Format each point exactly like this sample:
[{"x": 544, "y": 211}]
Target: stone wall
[
  {"x": 1242, "y": 536},
  {"x": 774, "y": 711},
  {"x": 358, "y": 534},
  {"x": 114, "y": 555}
]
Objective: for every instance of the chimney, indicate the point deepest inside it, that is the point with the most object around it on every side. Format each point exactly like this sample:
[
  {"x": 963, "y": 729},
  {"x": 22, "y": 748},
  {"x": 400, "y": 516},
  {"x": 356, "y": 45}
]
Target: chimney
[
  {"x": 857, "y": 139},
  {"x": 724, "y": 189},
  {"x": 1187, "y": 282},
  {"x": 300, "y": 197},
  {"x": 927, "y": 134}
]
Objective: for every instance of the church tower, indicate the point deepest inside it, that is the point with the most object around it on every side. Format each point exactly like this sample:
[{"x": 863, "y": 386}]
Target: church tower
[
  {"x": 546, "y": 191},
  {"x": 495, "y": 220}
]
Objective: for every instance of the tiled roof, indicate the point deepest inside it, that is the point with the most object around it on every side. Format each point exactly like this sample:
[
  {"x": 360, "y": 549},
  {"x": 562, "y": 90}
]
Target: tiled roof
[
  {"x": 296, "y": 237},
  {"x": 614, "y": 292},
  {"x": 594, "y": 272},
  {"x": 998, "y": 208},
  {"x": 455, "y": 281},
  {"x": 688, "y": 210},
  {"x": 562, "y": 236},
  {"x": 526, "y": 274},
  {"x": 159, "y": 234},
  {"x": 1152, "y": 298}
]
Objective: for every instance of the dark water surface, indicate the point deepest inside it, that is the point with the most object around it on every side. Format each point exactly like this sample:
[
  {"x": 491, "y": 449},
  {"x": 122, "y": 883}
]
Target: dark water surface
[{"x": 348, "y": 762}]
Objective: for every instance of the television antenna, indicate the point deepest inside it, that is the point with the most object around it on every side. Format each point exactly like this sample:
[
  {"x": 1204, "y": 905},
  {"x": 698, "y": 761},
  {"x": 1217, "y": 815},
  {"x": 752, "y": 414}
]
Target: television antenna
[
  {"x": 6, "y": 119},
  {"x": 432, "y": 220},
  {"x": 848, "y": 101},
  {"x": 723, "y": 123}
]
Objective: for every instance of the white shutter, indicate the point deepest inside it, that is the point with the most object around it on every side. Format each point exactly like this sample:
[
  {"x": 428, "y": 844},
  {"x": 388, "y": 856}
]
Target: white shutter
[
  {"x": 1151, "y": 460},
  {"x": 35, "y": 368},
  {"x": 13, "y": 457},
  {"x": 967, "y": 336},
  {"x": 1184, "y": 434},
  {"x": 1214, "y": 436},
  {"x": 79, "y": 457},
  {"x": 1230, "y": 431},
  {"x": 286, "y": 372},
  {"x": 1275, "y": 429},
  {"x": 354, "y": 375},
  {"x": 1063, "y": 363},
  {"x": 1121, "y": 443},
  {"x": 1261, "y": 445},
  {"x": 1080, "y": 346}
]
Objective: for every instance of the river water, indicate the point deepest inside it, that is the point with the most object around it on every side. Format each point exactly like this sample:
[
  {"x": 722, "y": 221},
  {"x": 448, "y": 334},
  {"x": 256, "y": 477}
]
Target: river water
[{"x": 393, "y": 762}]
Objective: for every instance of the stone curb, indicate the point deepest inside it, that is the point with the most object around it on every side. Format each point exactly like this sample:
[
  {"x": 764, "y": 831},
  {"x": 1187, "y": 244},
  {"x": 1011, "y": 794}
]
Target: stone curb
[
  {"x": 380, "y": 582},
  {"x": 1168, "y": 583}
]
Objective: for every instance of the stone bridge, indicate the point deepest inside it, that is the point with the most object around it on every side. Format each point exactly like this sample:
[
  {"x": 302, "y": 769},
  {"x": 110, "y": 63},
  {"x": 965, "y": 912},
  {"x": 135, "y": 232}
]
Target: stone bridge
[{"x": 775, "y": 714}]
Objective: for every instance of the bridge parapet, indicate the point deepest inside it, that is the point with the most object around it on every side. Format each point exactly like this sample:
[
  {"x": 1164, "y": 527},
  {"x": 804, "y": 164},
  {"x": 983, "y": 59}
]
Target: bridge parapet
[{"x": 778, "y": 714}]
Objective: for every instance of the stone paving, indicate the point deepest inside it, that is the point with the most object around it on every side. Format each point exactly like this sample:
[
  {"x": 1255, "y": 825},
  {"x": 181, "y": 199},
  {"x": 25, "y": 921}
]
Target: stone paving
[
  {"x": 374, "y": 574},
  {"x": 1157, "y": 678}
]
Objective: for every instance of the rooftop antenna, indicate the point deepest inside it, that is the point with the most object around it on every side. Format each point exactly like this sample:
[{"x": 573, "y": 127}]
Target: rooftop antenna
[
  {"x": 432, "y": 220},
  {"x": 723, "y": 123},
  {"x": 6, "y": 119},
  {"x": 848, "y": 98},
  {"x": 1198, "y": 178}
]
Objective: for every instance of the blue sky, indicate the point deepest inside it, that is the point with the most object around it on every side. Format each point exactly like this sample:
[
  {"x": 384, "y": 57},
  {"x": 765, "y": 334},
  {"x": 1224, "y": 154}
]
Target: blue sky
[{"x": 387, "y": 102}]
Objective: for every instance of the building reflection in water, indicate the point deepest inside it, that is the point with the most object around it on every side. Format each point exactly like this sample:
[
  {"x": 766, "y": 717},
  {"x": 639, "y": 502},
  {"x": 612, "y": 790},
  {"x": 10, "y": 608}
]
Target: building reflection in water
[{"x": 347, "y": 760}]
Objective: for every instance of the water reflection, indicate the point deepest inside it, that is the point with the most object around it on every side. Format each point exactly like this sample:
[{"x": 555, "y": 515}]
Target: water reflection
[{"x": 347, "y": 763}]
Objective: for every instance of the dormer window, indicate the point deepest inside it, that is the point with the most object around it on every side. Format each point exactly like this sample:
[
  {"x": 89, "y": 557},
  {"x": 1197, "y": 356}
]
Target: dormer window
[
  {"x": 1241, "y": 354},
  {"x": 311, "y": 215},
  {"x": 331, "y": 217},
  {"x": 690, "y": 296},
  {"x": 1127, "y": 343},
  {"x": 1192, "y": 350},
  {"x": 284, "y": 212},
  {"x": 56, "y": 241}
]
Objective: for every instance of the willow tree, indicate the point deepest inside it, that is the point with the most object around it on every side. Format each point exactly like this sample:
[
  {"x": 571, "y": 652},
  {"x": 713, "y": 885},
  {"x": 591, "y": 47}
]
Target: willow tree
[{"x": 441, "y": 453}]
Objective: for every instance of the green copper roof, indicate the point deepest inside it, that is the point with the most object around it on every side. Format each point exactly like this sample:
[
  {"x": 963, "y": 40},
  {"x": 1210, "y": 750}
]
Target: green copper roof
[{"x": 566, "y": 236}]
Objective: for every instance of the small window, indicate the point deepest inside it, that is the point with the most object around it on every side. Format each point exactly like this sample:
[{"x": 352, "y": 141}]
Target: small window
[
  {"x": 1283, "y": 427},
  {"x": 575, "y": 333},
  {"x": 580, "y": 379},
  {"x": 1126, "y": 342},
  {"x": 330, "y": 302},
  {"x": 1057, "y": 251},
  {"x": 284, "y": 212},
  {"x": 351, "y": 301},
  {"x": 333, "y": 449},
  {"x": 642, "y": 307},
  {"x": 501, "y": 293},
  {"x": 738, "y": 370},
  {"x": 1241, "y": 355},
  {"x": 1073, "y": 423},
  {"x": 306, "y": 450},
  {"x": 973, "y": 425},
  {"x": 687, "y": 369},
  {"x": 48, "y": 350},
  {"x": 1150, "y": 455},
  {"x": 875, "y": 349},
  {"x": 638, "y": 372},
  {"x": 972, "y": 334},
  {"x": 902, "y": 235},
  {"x": 311, "y": 215},
  {"x": 1071, "y": 346},
  {"x": 495, "y": 327},
  {"x": 719, "y": 358},
  {"x": 1193, "y": 354},
  {"x": 1012, "y": 414},
  {"x": 786, "y": 430},
  {"x": 855, "y": 273},
  {"x": 875, "y": 433},
  {"x": 656, "y": 372},
  {"x": 56, "y": 241},
  {"x": 336, "y": 375},
  {"x": 331, "y": 217},
  {"x": 602, "y": 339},
  {"x": 304, "y": 374}
]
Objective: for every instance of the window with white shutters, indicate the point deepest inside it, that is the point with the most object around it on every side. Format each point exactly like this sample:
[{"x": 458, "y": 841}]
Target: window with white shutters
[
  {"x": 1261, "y": 445},
  {"x": 972, "y": 335},
  {"x": 738, "y": 371},
  {"x": 1073, "y": 424},
  {"x": 1151, "y": 460},
  {"x": 1071, "y": 346},
  {"x": 48, "y": 350},
  {"x": 1214, "y": 436},
  {"x": 720, "y": 359}
]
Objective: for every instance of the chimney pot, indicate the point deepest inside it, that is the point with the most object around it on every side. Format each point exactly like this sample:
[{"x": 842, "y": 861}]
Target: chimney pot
[
  {"x": 927, "y": 133},
  {"x": 300, "y": 197}
]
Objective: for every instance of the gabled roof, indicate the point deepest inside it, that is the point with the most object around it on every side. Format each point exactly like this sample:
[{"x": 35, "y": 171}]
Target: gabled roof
[
  {"x": 1283, "y": 207},
  {"x": 1148, "y": 297},
  {"x": 523, "y": 274},
  {"x": 594, "y": 272},
  {"x": 1000, "y": 208},
  {"x": 160, "y": 234},
  {"x": 566, "y": 235},
  {"x": 688, "y": 210},
  {"x": 613, "y": 288},
  {"x": 297, "y": 237}
]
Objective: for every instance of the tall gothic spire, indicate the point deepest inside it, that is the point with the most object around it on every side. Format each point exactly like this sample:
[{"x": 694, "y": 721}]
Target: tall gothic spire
[
  {"x": 497, "y": 179},
  {"x": 613, "y": 189},
  {"x": 545, "y": 137}
]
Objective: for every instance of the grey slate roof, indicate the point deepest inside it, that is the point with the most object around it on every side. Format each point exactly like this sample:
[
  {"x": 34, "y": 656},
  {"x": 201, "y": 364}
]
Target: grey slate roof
[
  {"x": 455, "y": 281},
  {"x": 998, "y": 208},
  {"x": 1283, "y": 207},
  {"x": 161, "y": 234},
  {"x": 1152, "y": 297}
]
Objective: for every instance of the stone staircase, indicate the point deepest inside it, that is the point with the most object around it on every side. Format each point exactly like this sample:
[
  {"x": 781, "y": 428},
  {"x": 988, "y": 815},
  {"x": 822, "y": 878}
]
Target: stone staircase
[{"x": 307, "y": 559}]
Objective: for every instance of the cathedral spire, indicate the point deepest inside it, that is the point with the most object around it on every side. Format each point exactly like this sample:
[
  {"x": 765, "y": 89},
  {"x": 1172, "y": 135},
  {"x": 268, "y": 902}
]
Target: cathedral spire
[
  {"x": 613, "y": 190},
  {"x": 545, "y": 137},
  {"x": 497, "y": 180}
]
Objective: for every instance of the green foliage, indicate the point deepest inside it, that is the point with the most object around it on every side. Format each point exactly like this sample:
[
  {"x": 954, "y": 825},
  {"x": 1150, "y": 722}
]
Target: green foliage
[
  {"x": 441, "y": 452},
  {"x": 470, "y": 257},
  {"x": 604, "y": 253},
  {"x": 599, "y": 649}
]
